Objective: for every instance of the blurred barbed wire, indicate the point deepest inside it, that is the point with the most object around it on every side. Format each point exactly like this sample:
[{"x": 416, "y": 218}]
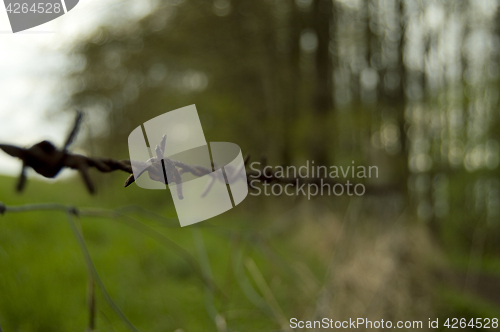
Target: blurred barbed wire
[{"x": 47, "y": 160}]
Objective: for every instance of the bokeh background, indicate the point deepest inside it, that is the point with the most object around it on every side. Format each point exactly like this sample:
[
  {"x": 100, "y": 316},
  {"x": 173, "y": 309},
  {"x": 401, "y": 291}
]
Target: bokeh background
[{"x": 411, "y": 87}]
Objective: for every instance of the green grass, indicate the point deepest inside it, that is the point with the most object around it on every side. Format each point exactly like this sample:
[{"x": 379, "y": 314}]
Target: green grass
[{"x": 43, "y": 276}]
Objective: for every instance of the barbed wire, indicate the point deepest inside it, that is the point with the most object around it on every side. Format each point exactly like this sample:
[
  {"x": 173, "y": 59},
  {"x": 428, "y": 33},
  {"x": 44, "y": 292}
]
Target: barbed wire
[{"x": 47, "y": 160}]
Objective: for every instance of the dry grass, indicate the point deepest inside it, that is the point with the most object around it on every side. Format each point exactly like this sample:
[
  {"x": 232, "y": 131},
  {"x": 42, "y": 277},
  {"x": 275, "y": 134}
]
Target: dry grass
[{"x": 375, "y": 270}]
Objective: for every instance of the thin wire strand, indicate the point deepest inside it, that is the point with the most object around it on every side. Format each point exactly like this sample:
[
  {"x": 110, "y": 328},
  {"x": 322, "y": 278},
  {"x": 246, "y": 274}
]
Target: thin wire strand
[
  {"x": 121, "y": 216},
  {"x": 97, "y": 278}
]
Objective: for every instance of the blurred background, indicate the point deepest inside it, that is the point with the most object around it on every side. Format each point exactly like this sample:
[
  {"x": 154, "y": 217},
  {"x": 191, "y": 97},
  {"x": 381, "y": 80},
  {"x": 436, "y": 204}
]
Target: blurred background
[{"x": 411, "y": 87}]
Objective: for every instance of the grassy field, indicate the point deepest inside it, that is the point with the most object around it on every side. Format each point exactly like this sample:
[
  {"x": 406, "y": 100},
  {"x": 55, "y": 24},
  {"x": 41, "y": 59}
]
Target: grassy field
[
  {"x": 43, "y": 277},
  {"x": 299, "y": 260}
]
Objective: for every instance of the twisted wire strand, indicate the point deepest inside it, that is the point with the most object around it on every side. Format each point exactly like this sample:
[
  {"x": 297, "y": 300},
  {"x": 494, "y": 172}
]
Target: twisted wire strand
[{"x": 47, "y": 160}]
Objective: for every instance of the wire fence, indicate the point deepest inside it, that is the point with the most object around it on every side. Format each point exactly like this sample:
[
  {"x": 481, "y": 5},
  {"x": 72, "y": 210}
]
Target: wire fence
[
  {"x": 48, "y": 160},
  {"x": 74, "y": 214},
  {"x": 248, "y": 276}
]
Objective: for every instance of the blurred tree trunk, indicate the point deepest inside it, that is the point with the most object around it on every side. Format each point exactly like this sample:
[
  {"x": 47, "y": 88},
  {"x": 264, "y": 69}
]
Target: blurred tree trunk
[
  {"x": 323, "y": 25},
  {"x": 401, "y": 101},
  {"x": 294, "y": 78},
  {"x": 495, "y": 133}
]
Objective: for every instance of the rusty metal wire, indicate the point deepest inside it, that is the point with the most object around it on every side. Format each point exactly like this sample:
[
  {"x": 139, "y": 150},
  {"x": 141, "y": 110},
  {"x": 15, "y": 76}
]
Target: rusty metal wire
[{"x": 47, "y": 160}]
